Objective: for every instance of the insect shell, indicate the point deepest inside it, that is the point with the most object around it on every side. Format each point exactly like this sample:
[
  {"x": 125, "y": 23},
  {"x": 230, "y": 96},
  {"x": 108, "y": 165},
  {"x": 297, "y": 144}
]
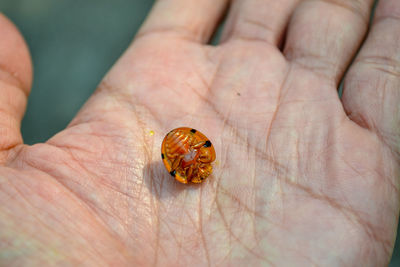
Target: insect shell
[{"x": 187, "y": 155}]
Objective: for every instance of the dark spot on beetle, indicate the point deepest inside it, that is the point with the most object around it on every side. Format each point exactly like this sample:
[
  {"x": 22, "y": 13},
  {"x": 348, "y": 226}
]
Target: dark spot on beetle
[
  {"x": 193, "y": 131},
  {"x": 162, "y": 155},
  {"x": 207, "y": 144},
  {"x": 173, "y": 173}
]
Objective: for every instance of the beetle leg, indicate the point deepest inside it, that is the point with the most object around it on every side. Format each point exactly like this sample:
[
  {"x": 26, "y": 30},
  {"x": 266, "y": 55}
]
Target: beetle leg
[
  {"x": 204, "y": 171},
  {"x": 176, "y": 162},
  {"x": 199, "y": 144},
  {"x": 171, "y": 156},
  {"x": 189, "y": 172},
  {"x": 197, "y": 177},
  {"x": 206, "y": 157}
]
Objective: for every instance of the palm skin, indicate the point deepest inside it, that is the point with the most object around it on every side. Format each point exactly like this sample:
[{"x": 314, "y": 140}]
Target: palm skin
[{"x": 296, "y": 181}]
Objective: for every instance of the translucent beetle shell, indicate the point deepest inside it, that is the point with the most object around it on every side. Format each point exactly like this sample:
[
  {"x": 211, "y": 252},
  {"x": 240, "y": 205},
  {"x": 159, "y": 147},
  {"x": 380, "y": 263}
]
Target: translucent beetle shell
[{"x": 187, "y": 155}]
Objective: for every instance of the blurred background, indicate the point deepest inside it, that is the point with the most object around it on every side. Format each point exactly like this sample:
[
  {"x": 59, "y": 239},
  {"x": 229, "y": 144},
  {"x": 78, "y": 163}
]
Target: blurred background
[{"x": 73, "y": 44}]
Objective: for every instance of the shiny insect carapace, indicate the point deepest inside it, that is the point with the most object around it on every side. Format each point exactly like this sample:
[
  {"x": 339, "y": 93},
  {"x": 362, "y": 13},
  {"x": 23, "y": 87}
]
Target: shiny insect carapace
[{"x": 187, "y": 155}]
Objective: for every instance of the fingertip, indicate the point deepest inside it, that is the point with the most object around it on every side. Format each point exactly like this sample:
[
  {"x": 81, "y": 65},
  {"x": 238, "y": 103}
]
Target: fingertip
[{"x": 15, "y": 60}]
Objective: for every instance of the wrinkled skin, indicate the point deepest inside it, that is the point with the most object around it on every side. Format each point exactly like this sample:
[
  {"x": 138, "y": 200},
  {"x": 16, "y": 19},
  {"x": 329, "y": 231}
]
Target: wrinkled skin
[{"x": 302, "y": 178}]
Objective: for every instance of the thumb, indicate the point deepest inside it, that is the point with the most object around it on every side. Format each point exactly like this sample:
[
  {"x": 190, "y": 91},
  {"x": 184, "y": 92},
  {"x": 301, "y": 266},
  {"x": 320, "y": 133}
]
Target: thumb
[{"x": 15, "y": 83}]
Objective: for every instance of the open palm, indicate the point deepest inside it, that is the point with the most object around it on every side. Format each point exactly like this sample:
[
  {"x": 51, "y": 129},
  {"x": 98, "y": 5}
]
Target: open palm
[{"x": 301, "y": 178}]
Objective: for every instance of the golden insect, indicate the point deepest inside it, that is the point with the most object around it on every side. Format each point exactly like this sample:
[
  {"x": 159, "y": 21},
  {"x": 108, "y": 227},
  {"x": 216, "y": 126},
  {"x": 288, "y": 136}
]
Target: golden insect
[{"x": 187, "y": 155}]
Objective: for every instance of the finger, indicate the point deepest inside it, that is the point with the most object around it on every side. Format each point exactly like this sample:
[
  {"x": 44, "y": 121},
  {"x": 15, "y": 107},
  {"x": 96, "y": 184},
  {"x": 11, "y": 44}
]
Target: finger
[
  {"x": 324, "y": 35},
  {"x": 15, "y": 83},
  {"x": 189, "y": 19},
  {"x": 258, "y": 20},
  {"x": 371, "y": 94}
]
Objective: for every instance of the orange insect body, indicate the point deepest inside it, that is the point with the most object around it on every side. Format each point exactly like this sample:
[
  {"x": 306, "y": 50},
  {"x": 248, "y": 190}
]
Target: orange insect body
[{"x": 187, "y": 155}]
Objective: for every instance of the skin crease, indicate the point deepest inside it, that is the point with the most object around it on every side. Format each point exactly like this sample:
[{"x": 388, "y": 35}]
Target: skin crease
[{"x": 302, "y": 178}]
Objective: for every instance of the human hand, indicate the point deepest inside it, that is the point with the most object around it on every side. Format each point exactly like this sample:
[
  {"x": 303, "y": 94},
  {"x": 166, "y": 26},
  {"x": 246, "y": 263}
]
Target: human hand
[{"x": 302, "y": 177}]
